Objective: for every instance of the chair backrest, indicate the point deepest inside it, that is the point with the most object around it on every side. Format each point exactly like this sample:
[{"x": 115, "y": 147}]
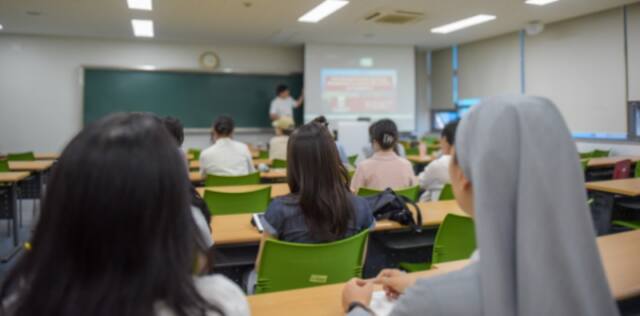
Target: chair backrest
[
  {"x": 4, "y": 165},
  {"x": 352, "y": 159},
  {"x": 455, "y": 240},
  {"x": 285, "y": 266},
  {"x": 598, "y": 153},
  {"x": 411, "y": 193},
  {"x": 622, "y": 169},
  {"x": 412, "y": 151},
  {"x": 195, "y": 152},
  {"x": 447, "y": 193},
  {"x": 584, "y": 163},
  {"x": 216, "y": 181},
  {"x": 26, "y": 156},
  {"x": 587, "y": 154},
  {"x": 278, "y": 164},
  {"x": 227, "y": 203},
  {"x": 637, "y": 171},
  {"x": 264, "y": 154}
]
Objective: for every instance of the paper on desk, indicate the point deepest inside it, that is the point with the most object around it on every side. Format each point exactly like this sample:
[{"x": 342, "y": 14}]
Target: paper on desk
[{"x": 380, "y": 304}]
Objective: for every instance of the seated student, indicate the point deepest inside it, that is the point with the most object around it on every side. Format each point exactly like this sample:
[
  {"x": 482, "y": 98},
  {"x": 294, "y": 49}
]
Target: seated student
[
  {"x": 115, "y": 236},
  {"x": 199, "y": 209},
  {"x": 436, "y": 174},
  {"x": 524, "y": 265},
  {"x": 341, "y": 151},
  {"x": 368, "y": 151},
  {"x": 384, "y": 169},
  {"x": 278, "y": 144},
  {"x": 226, "y": 157},
  {"x": 320, "y": 207}
]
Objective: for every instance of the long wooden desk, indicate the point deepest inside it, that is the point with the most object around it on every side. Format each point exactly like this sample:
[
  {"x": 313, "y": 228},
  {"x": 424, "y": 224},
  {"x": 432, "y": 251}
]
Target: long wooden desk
[
  {"x": 11, "y": 177},
  {"x": 605, "y": 162},
  {"x": 277, "y": 189},
  {"x": 35, "y": 166},
  {"x": 237, "y": 229},
  {"x": 620, "y": 256},
  {"x": 273, "y": 174},
  {"x": 420, "y": 159},
  {"x": 627, "y": 187},
  {"x": 195, "y": 164},
  {"x": 47, "y": 156}
]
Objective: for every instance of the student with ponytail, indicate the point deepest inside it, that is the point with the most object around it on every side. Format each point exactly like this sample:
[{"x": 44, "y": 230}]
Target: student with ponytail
[{"x": 385, "y": 169}]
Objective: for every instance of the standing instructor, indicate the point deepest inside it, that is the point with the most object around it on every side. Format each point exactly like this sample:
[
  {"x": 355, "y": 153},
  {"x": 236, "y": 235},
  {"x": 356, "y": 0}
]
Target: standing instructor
[{"x": 283, "y": 104}]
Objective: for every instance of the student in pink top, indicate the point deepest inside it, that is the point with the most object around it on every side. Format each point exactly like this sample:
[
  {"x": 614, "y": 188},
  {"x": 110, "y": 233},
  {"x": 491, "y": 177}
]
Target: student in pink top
[{"x": 385, "y": 169}]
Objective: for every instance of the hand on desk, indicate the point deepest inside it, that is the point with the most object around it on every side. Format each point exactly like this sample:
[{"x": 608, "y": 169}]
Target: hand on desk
[
  {"x": 394, "y": 282},
  {"x": 357, "y": 290}
]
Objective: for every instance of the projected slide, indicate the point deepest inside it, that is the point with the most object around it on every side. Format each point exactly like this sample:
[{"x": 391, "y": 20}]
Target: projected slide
[{"x": 359, "y": 90}]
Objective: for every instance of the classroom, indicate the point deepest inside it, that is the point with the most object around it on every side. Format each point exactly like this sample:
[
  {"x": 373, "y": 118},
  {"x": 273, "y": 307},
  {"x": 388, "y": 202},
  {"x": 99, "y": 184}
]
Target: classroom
[{"x": 320, "y": 157}]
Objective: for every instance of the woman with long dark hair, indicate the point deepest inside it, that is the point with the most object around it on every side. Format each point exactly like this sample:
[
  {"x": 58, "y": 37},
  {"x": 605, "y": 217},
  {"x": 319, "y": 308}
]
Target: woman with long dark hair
[
  {"x": 116, "y": 235},
  {"x": 320, "y": 207}
]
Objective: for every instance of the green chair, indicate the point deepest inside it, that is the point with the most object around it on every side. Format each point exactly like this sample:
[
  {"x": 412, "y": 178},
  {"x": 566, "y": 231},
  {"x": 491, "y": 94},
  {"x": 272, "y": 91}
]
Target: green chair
[
  {"x": 227, "y": 203},
  {"x": 264, "y": 154},
  {"x": 414, "y": 151},
  {"x": 430, "y": 140},
  {"x": 286, "y": 266},
  {"x": 637, "y": 170},
  {"x": 586, "y": 155},
  {"x": 216, "y": 181},
  {"x": 412, "y": 193},
  {"x": 195, "y": 153},
  {"x": 455, "y": 240},
  {"x": 447, "y": 193},
  {"x": 584, "y": 163},
  {"x": 352, "y": 159},
  {"x": 25, "y": 156},
  {"x": 627, "y": 224},
  {"x": 4, "y": 166},
  {"x": 278, "y": 164},
  {"x": 431, "y": 150},
  {"x": 601, "y": 153}
]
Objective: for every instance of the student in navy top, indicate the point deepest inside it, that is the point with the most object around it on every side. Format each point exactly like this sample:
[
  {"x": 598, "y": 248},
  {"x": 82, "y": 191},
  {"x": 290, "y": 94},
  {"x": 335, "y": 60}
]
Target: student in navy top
[{"x": 320, "y": 208}]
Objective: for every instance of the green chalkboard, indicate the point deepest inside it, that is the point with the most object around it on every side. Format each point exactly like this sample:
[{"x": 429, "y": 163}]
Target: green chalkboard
[{"x": 195, "y": 98}]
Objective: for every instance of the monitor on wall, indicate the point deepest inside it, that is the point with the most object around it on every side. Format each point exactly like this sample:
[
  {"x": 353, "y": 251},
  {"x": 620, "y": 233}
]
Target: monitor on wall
[{"x": 440, "y": 118}]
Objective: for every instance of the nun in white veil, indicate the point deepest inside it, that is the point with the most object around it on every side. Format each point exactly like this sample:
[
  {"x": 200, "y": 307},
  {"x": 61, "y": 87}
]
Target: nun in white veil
[{"x": 516, "y": 171}]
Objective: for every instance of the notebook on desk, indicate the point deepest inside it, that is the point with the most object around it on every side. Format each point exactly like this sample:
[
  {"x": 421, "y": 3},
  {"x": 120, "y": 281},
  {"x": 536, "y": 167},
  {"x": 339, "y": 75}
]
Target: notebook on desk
[{"x": 380, "y": 304}]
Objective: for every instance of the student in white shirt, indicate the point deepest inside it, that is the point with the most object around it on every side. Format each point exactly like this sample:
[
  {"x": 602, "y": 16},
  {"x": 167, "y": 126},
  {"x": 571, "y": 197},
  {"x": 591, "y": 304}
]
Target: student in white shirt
[
  {"x": 283, "y": 104},
  {"x": 436, "y": 175},
  {"x": 278, "y": 144},
  {"x": 226, "y": 157}
]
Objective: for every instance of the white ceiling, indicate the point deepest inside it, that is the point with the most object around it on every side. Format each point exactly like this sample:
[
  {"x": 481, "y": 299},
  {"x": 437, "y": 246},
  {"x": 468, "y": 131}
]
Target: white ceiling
[{"x": 275, "y": 21}]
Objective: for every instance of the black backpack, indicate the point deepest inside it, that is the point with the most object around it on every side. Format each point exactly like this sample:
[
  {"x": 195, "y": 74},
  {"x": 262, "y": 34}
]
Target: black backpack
[{"x": 389, "y": 205}]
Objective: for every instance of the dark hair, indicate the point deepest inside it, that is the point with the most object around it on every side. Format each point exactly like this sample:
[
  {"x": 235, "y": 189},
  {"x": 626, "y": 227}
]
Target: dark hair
[
  {"x": 320, "y": 182},
  {"x": 116, "y": 234},
  {"x": 449, "y": 132},
  {"x": 281, "y": 88},
  {"x": 385, "y": 133},
  {"x": 223, "y": 125},
  {"x": 321, "y": 120},
  {"x": 174, "y": 127}
]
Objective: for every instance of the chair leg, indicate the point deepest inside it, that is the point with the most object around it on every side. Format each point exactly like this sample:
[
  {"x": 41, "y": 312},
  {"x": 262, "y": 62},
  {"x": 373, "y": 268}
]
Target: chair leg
[{"x": 33, "y": 212}]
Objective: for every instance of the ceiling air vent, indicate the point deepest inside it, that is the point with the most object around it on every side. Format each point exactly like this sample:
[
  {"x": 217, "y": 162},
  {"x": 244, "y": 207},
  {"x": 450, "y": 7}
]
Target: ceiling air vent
[{"x": 396, "y": 17}]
